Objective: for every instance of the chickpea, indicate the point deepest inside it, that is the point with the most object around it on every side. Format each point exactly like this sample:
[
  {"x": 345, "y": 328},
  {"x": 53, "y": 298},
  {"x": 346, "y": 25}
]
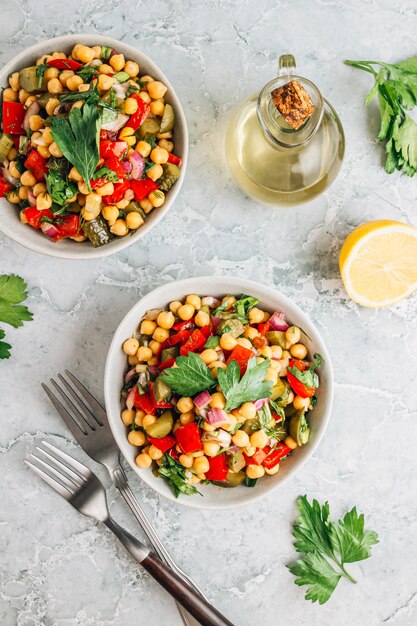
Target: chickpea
[
  {"x": 186, "y": 460},
  {"x": 276, "y": 352},
  {"x": 208, "y": 356},
  {"x": 139, "y": 417},
  {"x": 147, "y": 327},
  {"x": 133, "y": 360},
  {"x": 130, "y": 106},
  {"x": 143, "y": 460},
  {"x": 14, "y": 81},
  {"x": 259, "y": 439},
  {"x": 136, "y": 438},
  {"x": 185, "y": 404},
  {"x": 30, "y": 100},
  {"x": 92, "y": 201},
  {"x": 194, "y": 300},
  {"x": 209, "y": 428},
  {"x": 83, "y": 53},
  {"x": 131, "y": 68},
  {"x": 301, "y": 403},
  {"x": 156, "y": 198},
  {"x": 272, "y": 470},
  {"x": 23, "y": 96},
  {"x": 174, "y": 306},
  {"x": 13, "y": 170},
  {"x": 28, "y": 179},
  {"x": 247, "y": 410},
  {"x": 65, "y": 75},
  {"x": 230, "y": 300},
  {"x": 44, "y": 151},
  {"x": 105, "y": 82},
  {"x": 201, "y": 465},
  {"x": 12, "y": 154},
  {"x": 241, "y": 439},
  {"x": 155, "y": 172},
  {"x": 51, "y": 72},
  {"x": 156, "y": 89},
  {"x": 166, "y": 319},
  {"x": 13, "y": 196},
  {"x": 54, "y": 85},
  {"x": 231, "y": 425},
  {"x": 187, "y": 418},
  {"x": 110, "y": 213},
  {"x": 23, "y": 193},
  {"x": 255, "y": 471},
  {"x": 144, "y": 353},
  {"x": 266, "y": 351},
  {"x": 160, "y": 334},
  {"x": 250, "y": 333},
  {"x": 202, "y": 319},
  {"x": 256, "y": 316},
  {"x": 218, "y": 401},
  {"x": 9, "y": 95},
  {"x": 73, "y": 82},
  {"x": 185, "y": 312},
  {"x": 155, "y": 346},
  {"x": 144, "y": 148},
  {"x": 214, "y": 367},
  {"x": 159, "y": 155},
  {"x": 146, "y": 205},
  {"x": 119, "y": 228},
  {"x": 168, "y": 145},
  {"x": 143, "y": 95},
  {"x": 127, "y": 417},
  {"x": 293, "y": 335},
  {"x": 130, "y": 346},
  {"x": 105, "y": 68},
  {"x": 127, "y": 131},
  {"x": 211, "y": 448},
  {"x": 43, "y": 202},
  {"x": 157, "y": 107},
  {"x": 227, "y": 342},
  {"x": 148, "y": 420},
  {"x": 244, "y": 342},
  {"x": 117, "y": 62},
  {"x": 298, "y": 351},
  {"x": 290, "y": 442},
  {"x": 47, "y": 137},
  {"x": 36, "y": 122},
  {"x": 55, "y": 150},
  {"x": 105, "y": 190},
  {"x": 250, "y": 451},
  {"x": 146, "y": 79},
  {"x": 155, "y": 453}
]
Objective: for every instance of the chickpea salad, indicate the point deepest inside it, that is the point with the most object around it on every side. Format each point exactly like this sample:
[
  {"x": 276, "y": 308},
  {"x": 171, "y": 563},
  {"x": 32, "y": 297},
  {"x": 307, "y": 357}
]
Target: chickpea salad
[
  {"x": 217, "y": 391},
  {"x": 87, "y": 149}
]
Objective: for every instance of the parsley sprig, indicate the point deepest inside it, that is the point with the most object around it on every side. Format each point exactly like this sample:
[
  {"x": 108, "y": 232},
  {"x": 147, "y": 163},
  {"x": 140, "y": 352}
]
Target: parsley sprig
[
  {"x": 13, "y": 291},
  {"x": 174, "y": 473},
  {"x": 189, "y": 377},
  {"x": 396, "y": 88},
  {"x": 252, "y": 386},
  {"x": 326, "y": 547}
]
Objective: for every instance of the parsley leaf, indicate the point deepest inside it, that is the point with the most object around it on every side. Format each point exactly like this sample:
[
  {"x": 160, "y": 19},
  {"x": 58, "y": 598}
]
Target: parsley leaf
[
  {"x": 78, "y": 139},
  {"x": 12, "y": 293},
  {"x": 107, "y": 173},
  {"x": 252, "y": 386},
  {"x": 59, "y": 188},
  {"x": 86, "y": 73},
  {"x": 309, "y": 377},
  {"x": 40, "y": 71},
  {"x": 174, "y": 473},
  {"x": 325, "y": 544},
  {"x": 189, "y": 377}
]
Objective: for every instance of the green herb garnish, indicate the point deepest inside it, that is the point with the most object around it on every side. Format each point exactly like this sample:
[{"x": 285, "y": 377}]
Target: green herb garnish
[
  {"x": 325, "y": 544},
  {"x": 174, "y": 473},
  {"x": 252, "y": 386},
  {"x": 396, "y": 87},
  {"x": 309, "y": 376},
  {"x": 40, "y": 71},
  {"x": 189, "y": 377},
  {"x": 12, "y": 293},
  {"x": 107, "y": 173},
  {"x": 59, "y": 188},
  {"x": 266, "y": 422},
  {"x": 86, "y": 73},
  {"x": 78, "y": 139}
]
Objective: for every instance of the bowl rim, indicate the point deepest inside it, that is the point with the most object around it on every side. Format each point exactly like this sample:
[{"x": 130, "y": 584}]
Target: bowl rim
[
  {"x": 124, "y": 242},
  {"x": 236, "y": 284}
]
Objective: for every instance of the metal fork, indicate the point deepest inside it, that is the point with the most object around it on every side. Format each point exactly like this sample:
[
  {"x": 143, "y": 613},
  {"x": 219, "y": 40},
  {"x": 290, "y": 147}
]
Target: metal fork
[
  {"x": 91, "y": 428},
  {"x": 80, "y": 487}
]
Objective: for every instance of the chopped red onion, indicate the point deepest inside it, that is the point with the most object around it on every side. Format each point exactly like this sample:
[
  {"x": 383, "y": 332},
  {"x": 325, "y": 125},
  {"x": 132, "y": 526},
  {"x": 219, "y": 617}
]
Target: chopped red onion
[
  {"x": 8, "y": 177},
  {"x": 138, "y": 165},
  {"x": 216, "y": 416},
  {"x": 116, "y": 124},
  {"x": 31, "y": 198},
  {"x": 129, "y": 375},
  {"x": 49, "y": 229},
  {"x": 215, "y": 321},
  {"x": 127, "y": 166},
  {"x": 152, "y": 369},
  {"x": 210, "y": 301},
  {"x": 220, "y": 356},
  {"x": 224, "y": 438},
  {"x": 34, "y": 108},
  {"x": 259, "y": 403},
  {"x": 202, "y": 400},
  {"x": 130, "y": 398},
  {"x": 209, "y": 436},
  {"x": 120, "y": 89},
  {"x": 277, "y": 321}
]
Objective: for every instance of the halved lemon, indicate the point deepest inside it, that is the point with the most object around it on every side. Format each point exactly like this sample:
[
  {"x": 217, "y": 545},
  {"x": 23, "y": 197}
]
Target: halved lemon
[{"x": 378, "y": 263}]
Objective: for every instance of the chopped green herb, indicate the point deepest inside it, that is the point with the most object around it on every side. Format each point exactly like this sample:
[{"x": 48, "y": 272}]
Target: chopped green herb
[
  {"x": 175, "y": 474},
  {"x": 309, "y": 377},
  {"x": 107, "y": 173},
  {"x": 40, "y": 71},
  {"x": 86, "y": 73},
  {"x": 189, "y": 377},
  {"x": 252, "y": 386},
  {"x": 59, "y": 188}
]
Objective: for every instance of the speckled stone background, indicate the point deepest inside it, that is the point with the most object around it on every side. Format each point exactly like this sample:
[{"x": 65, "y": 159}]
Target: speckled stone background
[{"x": 59, "y": 568}]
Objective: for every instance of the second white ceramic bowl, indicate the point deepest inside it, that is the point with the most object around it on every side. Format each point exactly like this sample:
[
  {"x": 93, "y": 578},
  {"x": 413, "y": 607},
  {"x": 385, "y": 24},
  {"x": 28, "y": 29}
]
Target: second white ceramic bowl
[
  {"x": 10, "y": 224},
  {"x": 214, "y": 497}
]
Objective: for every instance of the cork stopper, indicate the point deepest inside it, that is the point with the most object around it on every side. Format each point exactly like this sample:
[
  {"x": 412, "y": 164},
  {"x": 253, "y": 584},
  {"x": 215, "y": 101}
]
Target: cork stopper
[{"x": 293, "y": 103}]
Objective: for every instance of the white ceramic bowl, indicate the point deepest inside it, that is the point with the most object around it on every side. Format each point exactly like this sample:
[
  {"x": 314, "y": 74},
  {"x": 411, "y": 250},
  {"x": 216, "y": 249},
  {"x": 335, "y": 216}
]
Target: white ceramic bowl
[
  {"x": 10, "y": 224},
  {"x": 217, "y": 497}
]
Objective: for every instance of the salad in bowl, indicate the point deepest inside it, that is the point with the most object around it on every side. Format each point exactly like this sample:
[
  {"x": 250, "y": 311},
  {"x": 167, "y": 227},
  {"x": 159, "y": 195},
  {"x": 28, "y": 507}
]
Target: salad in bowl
[
  {"x": 218, "y": 390},
  {"x": 88, "y": 143}
]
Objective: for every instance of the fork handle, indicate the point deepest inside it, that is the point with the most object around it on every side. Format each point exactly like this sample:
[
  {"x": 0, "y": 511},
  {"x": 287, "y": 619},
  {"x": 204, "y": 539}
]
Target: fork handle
[{"x": 181, "y": 591}]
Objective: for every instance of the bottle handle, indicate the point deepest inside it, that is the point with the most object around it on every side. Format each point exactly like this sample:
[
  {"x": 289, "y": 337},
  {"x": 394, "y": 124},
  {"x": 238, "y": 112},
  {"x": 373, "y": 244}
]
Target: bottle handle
[{"x": 286, "y": 65}]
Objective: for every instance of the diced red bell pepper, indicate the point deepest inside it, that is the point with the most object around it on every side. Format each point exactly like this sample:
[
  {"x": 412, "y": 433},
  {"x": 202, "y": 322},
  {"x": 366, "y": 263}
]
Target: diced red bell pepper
[
  {"x": 218, "y": 467},
  {"x": 108, "y": 134},
  {"x": 188, "y": 438},
  {"x": 263, "y": 328},
  {"x": 297, "y": 386},
  {"x": 98, "y": 182},
  {"x": 4, "y": 187},
  {"x": 33, "y": 216},
  {"x": 118, "y": 193},
  {"x": 136, "y": 120},
  {"x": 275, "y": 456},
  {"x": 195, "y": 342},
  {"x": 13, "y": 115},
  {"x": 241, "y": 355},
  {"x": 115, "y": 165},
  {"x": 143, "y": 187},
  {"x": 64, "y": 64},
  {"x": 166, "y": 364},
  {"x": 174, "y": 340},
  {"x": 37, "y": 165},
  {"x": 174, "y": 159},
  {"x": 183, "y": 324},
  {"x": 163, "y": 444},
  {"x": 257, "y": 458},
  {"x": 144, "y": 402},
  {"x": 109, "y": 149},
  {"x": 67, "y": 225}
]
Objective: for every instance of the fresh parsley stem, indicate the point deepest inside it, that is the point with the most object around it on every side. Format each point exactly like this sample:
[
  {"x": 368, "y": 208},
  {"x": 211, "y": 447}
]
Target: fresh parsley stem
[
  {"x": 345, "y": 572},
  {"x": 362, "y": 65}
]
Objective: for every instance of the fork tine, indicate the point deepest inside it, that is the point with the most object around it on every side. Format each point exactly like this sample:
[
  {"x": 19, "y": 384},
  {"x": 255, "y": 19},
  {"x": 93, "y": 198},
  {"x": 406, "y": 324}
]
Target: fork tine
[
  {"x": 73, "y": 463},
  {"x": 74, "y": 476},
  {"x": 87, "y": 417},
  {"x": 72, "y": 424},
  {"x": 95, "y": 405},
  {"x": 69, "y": 483},
  {"x": 63, "y": 491}
]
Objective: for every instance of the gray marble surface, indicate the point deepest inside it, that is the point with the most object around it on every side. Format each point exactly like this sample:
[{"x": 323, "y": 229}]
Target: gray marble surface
[{"x": 59, "y": 568}]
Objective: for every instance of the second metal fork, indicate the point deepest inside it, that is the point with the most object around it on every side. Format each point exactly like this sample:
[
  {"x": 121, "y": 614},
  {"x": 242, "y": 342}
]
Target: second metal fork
[{"x": 88, "y": 422}]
